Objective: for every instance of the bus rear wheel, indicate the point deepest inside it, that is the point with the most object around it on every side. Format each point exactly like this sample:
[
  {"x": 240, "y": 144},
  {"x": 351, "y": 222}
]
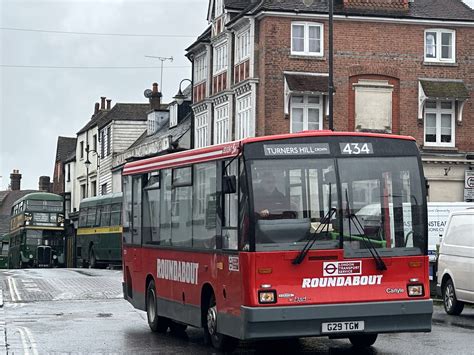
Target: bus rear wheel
[
  {"x": 363, "y": 341},
  {"x": 219, "y": 341},
  {"x": 157, "y": 324}
]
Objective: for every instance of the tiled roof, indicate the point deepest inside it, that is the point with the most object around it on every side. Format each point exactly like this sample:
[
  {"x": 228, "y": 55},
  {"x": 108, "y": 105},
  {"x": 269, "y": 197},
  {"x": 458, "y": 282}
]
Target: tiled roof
[
  {"x": 93, "y": 121},
  {"x": 305, "y": 83},
  {"x": 127, "y": 112},
  {"x": 420, "y": 9},
  {"x": 444, "y": 89},
  {"x": 65, "y": 146}
]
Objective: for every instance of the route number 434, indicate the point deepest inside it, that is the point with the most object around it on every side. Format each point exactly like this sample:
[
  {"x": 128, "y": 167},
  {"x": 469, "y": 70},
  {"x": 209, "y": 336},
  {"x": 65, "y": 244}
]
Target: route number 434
[{"x": 356, "y": 148}]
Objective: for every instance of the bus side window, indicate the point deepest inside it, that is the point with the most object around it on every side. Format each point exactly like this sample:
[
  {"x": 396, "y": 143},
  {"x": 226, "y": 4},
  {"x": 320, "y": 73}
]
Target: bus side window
[
  {"x": 98, "y": 216},
  {"x": 91, "y": 216},
  {"x": 114, "y": 215},
  {"x": 105, "y": 216},
  {"x": 136, "y": 210},
  {"x": 151, "y": 210},
  {"x": 204, "y": 206},
  {"x": 181, "y": 207},
  {"x": 165, "y": 207},
  {"x": 127, "y": 209},
  {"x": 230, "y": 220}
]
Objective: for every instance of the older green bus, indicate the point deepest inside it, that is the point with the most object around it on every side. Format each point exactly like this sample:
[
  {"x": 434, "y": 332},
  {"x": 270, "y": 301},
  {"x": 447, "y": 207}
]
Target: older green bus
[
  {"x": 4, "y": 244},
  {"x": 37, "y": 235},
  {"x": 99, "y": 234}
]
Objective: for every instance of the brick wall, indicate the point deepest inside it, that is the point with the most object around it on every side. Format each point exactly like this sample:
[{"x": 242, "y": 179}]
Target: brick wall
[{"x": 388, "y": 51}]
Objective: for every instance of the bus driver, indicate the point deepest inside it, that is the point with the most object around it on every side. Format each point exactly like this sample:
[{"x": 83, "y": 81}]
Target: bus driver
[{"x": 268, "y": 200}]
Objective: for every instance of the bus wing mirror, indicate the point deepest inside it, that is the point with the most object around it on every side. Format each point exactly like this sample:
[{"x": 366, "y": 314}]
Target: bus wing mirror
[{"x": 229, "y": 184}]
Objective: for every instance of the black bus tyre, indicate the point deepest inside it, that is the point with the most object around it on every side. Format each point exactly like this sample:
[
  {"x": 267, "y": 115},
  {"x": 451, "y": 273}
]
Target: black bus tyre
[
  {"x": 363, "y": 340},
  {"x": 451, "y": 304},
  {"x": 157, "y": 324},
  {"x": 219, "y": 341}
]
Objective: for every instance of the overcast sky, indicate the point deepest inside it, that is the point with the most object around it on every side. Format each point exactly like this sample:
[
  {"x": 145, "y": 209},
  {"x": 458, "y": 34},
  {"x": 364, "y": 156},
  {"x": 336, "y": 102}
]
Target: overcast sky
[{"x": 40, "y": 104}]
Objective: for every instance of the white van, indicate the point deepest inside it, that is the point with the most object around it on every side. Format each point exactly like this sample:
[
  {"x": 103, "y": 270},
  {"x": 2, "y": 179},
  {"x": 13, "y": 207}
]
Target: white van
[{"x": 456, "y": 262}]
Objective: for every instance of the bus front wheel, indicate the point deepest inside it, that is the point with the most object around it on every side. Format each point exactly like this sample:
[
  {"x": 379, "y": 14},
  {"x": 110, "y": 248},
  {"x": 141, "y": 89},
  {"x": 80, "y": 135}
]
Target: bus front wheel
[
  {"x": 219, "y": 341},
  {"x": 157, "y": 324},
  {"x": 363, "y": 341}
]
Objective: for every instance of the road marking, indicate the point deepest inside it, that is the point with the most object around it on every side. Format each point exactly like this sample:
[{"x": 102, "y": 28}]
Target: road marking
[
  {"x": 27, "y": 341},
  {"x": 13, "y": 290}
]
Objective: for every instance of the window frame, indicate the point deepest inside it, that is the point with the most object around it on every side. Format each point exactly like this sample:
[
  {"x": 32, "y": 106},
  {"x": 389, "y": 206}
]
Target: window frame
[
  {"x": 201, "y": 129},
  {"x": 200, "y": 68},
  {"x": 220, "y": 60},
  {"x": 247, "y": 110},
  {"x": 439, "y": 111},
  {"x": 306, "y": 106},
  {"x": 438, "y": 47},
  {"x": 224, "y": 120},
  {"x": 242, "y": 43},
  {"x": 306, "y": 51}
]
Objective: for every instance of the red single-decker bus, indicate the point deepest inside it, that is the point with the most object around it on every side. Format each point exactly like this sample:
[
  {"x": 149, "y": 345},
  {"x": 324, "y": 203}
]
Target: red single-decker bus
[{"x": 317, "y": 233}]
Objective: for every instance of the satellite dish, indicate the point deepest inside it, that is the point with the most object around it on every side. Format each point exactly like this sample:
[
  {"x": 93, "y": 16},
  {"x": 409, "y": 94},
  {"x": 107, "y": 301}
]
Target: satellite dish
[{"x": 148, "y": 93}]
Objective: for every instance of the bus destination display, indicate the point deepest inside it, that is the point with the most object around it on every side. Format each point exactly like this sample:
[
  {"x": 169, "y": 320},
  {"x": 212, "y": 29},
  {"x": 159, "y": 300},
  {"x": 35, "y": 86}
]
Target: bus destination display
[{"x": 296, "y": 149}]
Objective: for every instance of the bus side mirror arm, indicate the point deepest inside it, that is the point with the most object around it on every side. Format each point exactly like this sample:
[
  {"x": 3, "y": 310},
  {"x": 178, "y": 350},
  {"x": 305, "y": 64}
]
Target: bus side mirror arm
[{"x": 229, "y": 184}]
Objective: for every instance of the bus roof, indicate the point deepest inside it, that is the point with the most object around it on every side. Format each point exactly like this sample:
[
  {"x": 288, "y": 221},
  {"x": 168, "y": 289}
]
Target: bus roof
[
  {"x": 101, "y": 200},
  {"x": 40, "y": 196},
  {"x": 232, "y": 149}
]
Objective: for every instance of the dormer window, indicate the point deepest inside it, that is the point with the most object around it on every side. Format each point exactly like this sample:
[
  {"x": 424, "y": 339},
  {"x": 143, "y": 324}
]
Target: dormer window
[{"x": 440, "y": 46}]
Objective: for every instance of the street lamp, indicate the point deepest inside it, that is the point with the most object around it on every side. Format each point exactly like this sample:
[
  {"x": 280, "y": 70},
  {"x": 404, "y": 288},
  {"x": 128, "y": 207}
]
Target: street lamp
[
  {"x": 88, "y": 163},
  {"x": 180, "y": 97}
]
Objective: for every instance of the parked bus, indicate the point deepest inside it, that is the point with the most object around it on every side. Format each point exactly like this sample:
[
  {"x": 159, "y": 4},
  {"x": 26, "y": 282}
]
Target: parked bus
[
  {"x": 260, "y": 238},
  {"x": 4, "y": 244},
  {"x": 99, "y": 235},
  {"x": 37, "y": 231}
]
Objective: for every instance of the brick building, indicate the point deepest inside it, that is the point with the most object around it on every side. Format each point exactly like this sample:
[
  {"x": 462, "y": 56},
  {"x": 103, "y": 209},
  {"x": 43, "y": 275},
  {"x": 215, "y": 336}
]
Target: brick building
[
  {"x": 64, "y": 148},
  {"x": 400, "y": 66}
]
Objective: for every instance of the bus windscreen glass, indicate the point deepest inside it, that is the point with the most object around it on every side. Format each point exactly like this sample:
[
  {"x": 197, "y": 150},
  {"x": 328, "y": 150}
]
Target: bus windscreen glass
[
  {"x": 290, "y": 199},
  {"x": 382, "y": 201},
  {"x": 297, "y": 200}
]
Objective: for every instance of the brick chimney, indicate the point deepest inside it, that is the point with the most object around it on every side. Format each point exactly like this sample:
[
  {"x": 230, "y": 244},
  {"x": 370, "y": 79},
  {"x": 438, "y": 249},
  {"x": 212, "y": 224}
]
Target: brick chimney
[
  {"x": 377, "y": 4},
  {"x": 44, "y": 183},
  {"x": 96, "y": 108},
  {"x": 155, "y": 98},
  {"x": 15, "y": 178},
  {"x": 108, "y": 104},
  {"x": 102, "y": 102}
]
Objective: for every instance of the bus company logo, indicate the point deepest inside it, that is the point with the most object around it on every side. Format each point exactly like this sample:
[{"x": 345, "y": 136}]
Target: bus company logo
[
  {"x": 180, "y": 271},
  {"x": 342, "y": 268}
]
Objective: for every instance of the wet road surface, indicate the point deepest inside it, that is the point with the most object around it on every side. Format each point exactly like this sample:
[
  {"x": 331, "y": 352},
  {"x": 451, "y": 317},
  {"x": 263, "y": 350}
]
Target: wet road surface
[{"x": 81, "y": 311}]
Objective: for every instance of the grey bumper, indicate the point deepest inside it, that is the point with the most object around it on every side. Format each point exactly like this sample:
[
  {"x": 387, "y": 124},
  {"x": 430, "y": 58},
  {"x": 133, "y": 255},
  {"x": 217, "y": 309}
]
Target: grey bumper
[{"x": 302, "y": 321}]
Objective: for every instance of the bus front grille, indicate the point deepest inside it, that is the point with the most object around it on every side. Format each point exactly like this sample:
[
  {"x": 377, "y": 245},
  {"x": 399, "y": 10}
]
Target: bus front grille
[{"x": 44, "y": 255}]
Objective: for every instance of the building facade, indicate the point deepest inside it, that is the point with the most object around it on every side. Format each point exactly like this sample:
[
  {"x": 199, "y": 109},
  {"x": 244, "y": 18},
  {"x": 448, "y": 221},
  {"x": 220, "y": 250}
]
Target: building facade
[{"x": 401, "y": 67}]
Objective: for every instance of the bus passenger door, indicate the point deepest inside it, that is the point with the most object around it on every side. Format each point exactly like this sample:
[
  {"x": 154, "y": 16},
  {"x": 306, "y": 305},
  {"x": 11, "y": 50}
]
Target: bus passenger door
[{"x": 228, "y": 261}]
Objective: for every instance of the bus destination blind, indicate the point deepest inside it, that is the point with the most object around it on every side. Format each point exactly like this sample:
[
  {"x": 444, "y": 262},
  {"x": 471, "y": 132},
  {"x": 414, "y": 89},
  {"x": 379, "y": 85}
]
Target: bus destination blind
[{"x": 296, "y": 149}]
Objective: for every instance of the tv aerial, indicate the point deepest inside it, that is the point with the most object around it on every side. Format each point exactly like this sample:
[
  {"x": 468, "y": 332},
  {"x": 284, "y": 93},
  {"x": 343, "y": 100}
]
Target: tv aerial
[{"x": 162, "y": 59}]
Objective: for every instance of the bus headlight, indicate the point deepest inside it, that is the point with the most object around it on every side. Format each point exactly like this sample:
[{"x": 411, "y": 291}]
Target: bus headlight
[
  {"x": 31, "y": 256},
  {"x": 55, "y": 257},
  {"x": 415, "y": 290},
  {"x": 267, "y": 296}
]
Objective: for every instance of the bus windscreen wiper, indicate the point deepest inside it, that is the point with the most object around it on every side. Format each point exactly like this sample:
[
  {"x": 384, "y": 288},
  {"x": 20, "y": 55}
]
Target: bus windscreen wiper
[
  {"x": 309, "y": 244},
  {"x": 367, "y": 241}
]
